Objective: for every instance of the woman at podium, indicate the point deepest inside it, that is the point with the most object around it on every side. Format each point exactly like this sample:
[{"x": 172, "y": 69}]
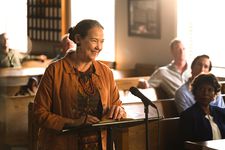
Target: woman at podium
[{"x": 77, "y": 90}]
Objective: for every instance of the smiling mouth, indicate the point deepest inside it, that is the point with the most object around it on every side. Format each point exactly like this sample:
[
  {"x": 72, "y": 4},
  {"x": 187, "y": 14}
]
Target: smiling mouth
[{"x": 95, "y": 51}]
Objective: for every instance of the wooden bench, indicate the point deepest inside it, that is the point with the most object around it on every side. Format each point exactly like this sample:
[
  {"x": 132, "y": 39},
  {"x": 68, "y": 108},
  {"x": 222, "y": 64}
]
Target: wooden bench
[
  {"x": 11, "y": 79},
  {"x": 163, "y": 135},
  {"x": 14, "y": 120},
  {"x": 32, "y": 128},
  {"x": 126, "y": 83},
  {"x": 110, "y": 64},
  {"x": 144, "y": 69},
  {"x": 167, "y": 109},
  {"x": 36, "y": 63}
]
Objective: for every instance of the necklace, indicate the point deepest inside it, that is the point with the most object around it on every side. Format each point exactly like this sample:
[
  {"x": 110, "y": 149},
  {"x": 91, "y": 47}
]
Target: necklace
[
  {"x": 87, "y": 85},
  {"x": 86, "y": 82}
]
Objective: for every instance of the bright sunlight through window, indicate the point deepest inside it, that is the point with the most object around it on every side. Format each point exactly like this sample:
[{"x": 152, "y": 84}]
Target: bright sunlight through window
[
  {"x": 202, "y": 27},
  {"x": 13, "y": 16},
  {"x": 104, "y": 12}
]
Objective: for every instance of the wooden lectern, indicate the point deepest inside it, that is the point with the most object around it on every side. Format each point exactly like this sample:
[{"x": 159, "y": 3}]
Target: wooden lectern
[{"x": 109, "y": 125}]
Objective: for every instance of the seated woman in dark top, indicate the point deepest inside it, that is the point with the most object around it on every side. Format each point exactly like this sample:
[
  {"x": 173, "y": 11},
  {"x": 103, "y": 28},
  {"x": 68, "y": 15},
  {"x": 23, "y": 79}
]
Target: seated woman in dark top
[
  {"x": 29, "y": 89},
  {"x": 202, "y": 121}
]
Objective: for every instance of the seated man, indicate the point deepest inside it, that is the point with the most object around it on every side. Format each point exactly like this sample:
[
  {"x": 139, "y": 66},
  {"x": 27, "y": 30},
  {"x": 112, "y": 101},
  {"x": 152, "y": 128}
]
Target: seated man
[
  {"x": 171, "y": 76},
  {"x": 65, "y": 44},
  {"x": 183, "y": 96},
  {"x": 12, "y": 58}
]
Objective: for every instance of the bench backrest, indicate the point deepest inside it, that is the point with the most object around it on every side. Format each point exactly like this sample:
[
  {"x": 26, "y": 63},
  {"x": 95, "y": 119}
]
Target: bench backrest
[{"x": 14, "y": 117}]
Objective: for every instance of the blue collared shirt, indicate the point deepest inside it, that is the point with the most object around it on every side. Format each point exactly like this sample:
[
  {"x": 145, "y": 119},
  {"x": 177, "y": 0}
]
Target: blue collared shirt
[{"x": 185, "y": 99}]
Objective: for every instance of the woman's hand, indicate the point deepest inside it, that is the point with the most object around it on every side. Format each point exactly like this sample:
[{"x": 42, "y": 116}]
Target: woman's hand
[
  {"x": 117, "y": 112},
  {"x": 91, "y": 119}
]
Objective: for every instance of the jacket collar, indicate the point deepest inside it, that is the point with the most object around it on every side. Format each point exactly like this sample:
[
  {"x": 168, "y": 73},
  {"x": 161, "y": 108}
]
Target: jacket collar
[{"x": 69, "y": 68}]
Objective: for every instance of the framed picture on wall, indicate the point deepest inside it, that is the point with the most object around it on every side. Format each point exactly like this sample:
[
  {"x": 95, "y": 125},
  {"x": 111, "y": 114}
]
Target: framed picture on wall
[{"x": 144, "y": 18}]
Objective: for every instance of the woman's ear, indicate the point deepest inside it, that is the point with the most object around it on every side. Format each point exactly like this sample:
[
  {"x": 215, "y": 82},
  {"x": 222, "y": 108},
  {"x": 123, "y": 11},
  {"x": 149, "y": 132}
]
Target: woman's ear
[{"x": 77, "y": 39}]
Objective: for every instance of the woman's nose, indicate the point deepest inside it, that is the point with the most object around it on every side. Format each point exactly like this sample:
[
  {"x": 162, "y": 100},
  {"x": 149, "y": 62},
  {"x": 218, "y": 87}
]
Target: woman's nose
[{"x": 99, "y": 46}]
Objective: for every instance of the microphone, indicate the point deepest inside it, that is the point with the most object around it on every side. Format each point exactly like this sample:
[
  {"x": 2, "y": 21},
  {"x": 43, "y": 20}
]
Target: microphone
[{"x": 144, "y": 99}]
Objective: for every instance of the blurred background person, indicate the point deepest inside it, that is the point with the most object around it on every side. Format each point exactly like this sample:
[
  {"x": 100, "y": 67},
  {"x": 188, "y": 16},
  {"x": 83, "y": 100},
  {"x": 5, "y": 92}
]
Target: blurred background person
[
  {"x": 183, "y": 96},
  {"x": 65, "y": 44},
  {"x": 170, "y": 77},
  {"x": 29, "y": 89},
  {"x": 13, "y": 58}
]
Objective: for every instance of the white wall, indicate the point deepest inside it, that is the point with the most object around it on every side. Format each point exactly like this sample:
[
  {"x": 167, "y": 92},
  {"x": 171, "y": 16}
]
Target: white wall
[
  {"x": 132, "y": 50},
  {"x": 103, "y": 11}
]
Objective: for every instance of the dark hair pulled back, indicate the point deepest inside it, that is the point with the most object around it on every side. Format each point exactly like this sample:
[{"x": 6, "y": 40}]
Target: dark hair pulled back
[{"x": 82, "y": 28}]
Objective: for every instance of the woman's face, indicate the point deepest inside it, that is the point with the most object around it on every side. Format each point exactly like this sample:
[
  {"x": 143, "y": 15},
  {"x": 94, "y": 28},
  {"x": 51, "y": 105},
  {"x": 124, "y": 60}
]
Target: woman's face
[
  {"x": 92, "y": 44},
  {"x": 205, "y": 93}
]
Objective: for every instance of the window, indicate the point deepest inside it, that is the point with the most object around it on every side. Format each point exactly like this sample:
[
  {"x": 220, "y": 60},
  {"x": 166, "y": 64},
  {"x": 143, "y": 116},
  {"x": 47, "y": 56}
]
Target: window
[
  {"x": 104, "y": 12},
  {"x": 13, "y": 16},
  {"x": 44, "y": 20},
  {"x": 202, "y": 28}
]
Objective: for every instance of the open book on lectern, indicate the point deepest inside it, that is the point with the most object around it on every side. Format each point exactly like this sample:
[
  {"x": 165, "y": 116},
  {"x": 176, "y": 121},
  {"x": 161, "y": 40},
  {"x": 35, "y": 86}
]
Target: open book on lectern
[
  {"x": 126, "y": 122},
  {"x": 122, "y": 121}
]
